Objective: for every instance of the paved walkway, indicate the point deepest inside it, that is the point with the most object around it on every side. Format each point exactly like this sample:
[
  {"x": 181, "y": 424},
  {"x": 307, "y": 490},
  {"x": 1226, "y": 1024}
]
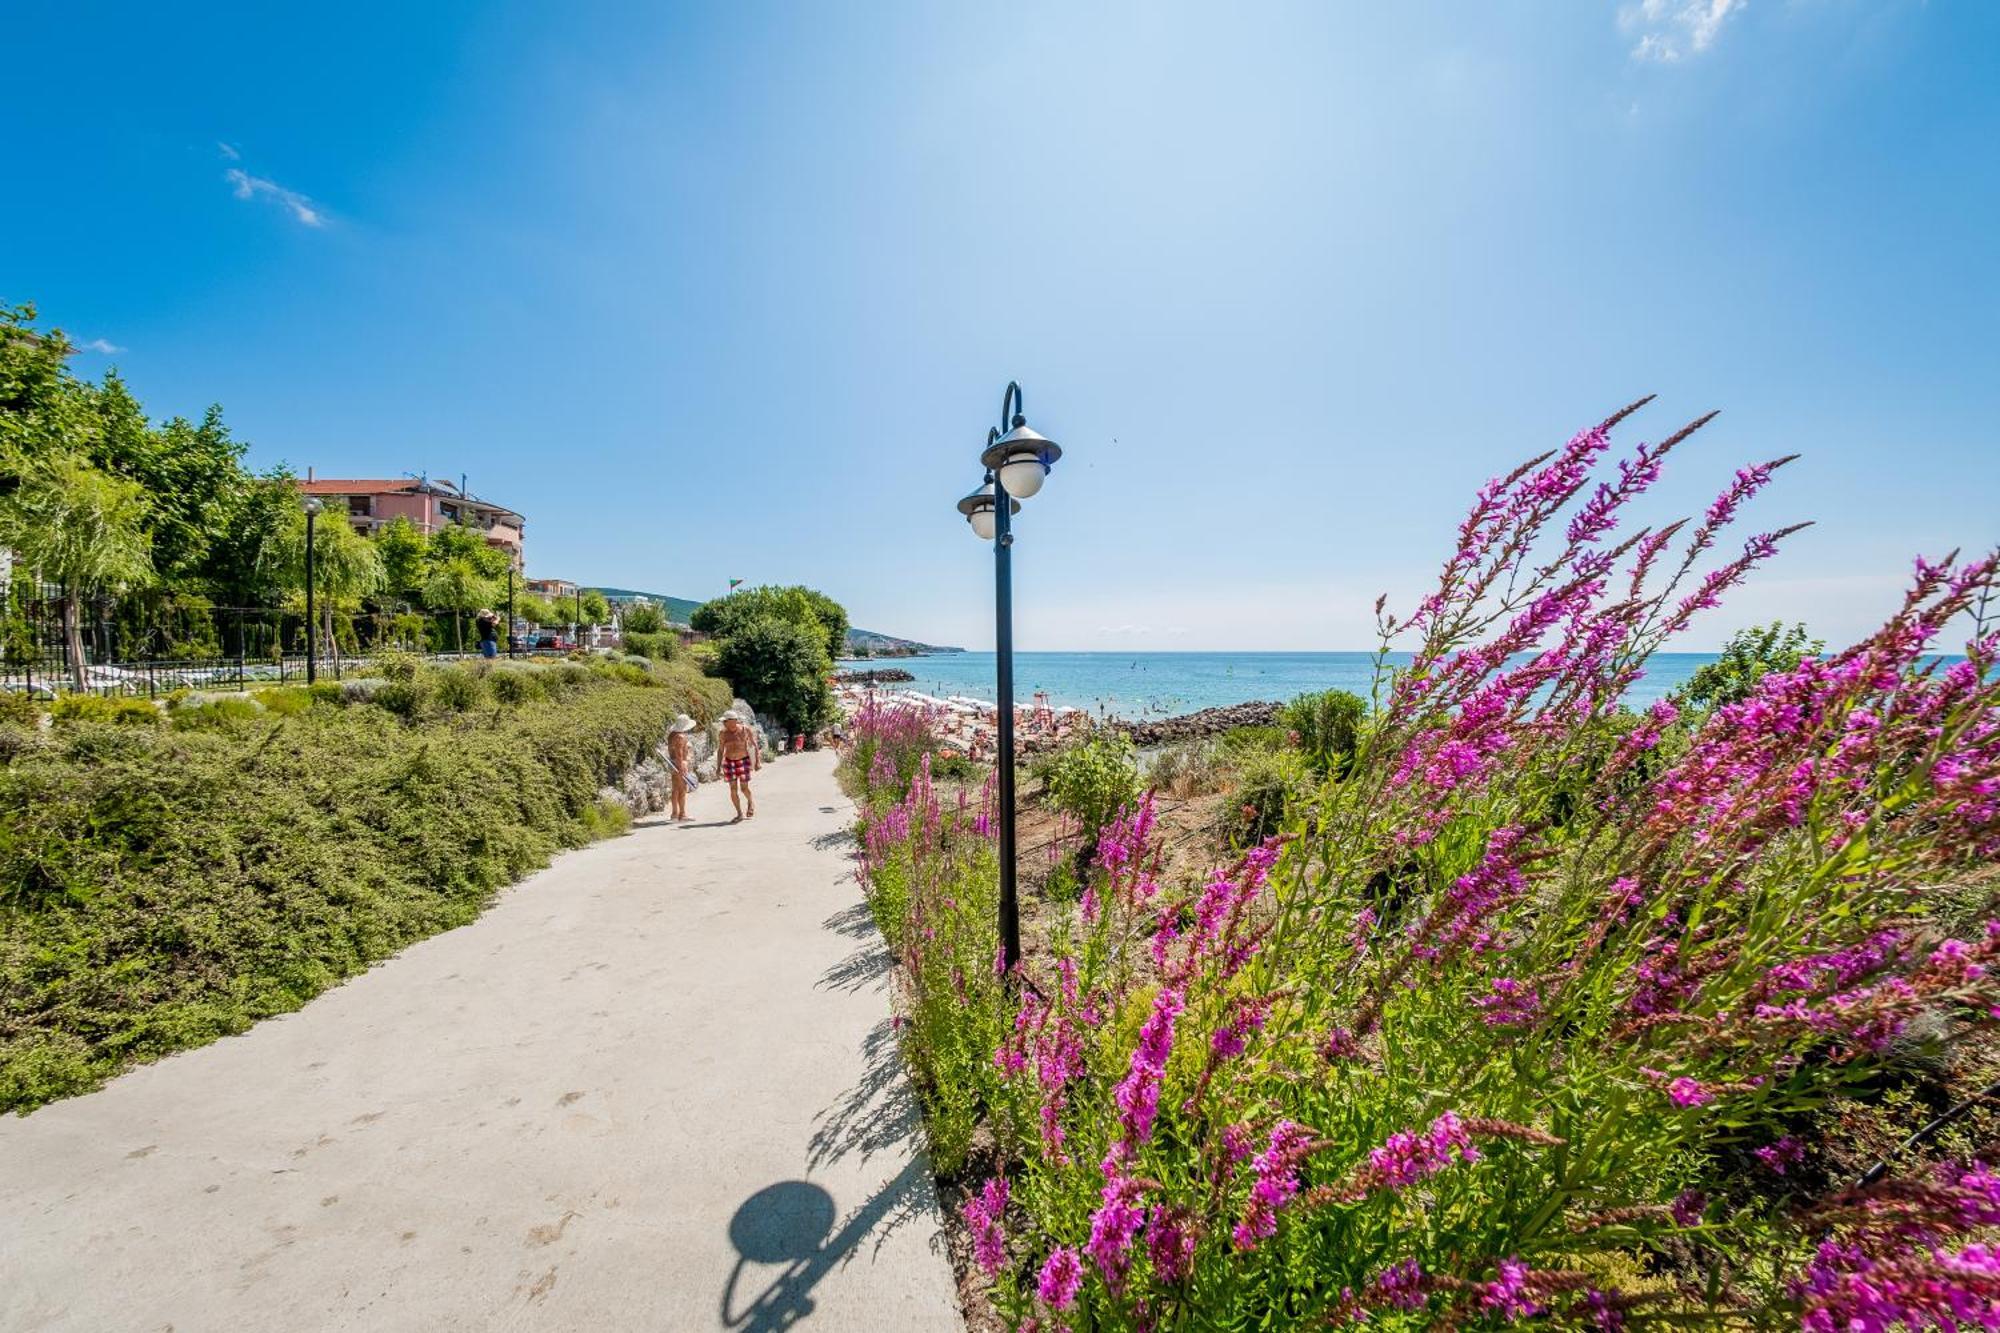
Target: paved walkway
[{"x": 653, "y": 1087}]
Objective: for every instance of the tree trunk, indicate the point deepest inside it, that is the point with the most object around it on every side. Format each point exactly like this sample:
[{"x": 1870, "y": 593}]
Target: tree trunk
[
  {"x": 72, "y": 625},
  {"x": 332, "y": 641}
]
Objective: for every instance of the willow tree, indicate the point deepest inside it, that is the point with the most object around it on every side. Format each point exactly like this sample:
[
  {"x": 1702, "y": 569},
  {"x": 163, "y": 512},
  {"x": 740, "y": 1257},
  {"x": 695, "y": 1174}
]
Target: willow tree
[
  {"x": 346, "y": 568},
  {"x": 82, "y": 529},
  {"x": 457, "y": 585}
]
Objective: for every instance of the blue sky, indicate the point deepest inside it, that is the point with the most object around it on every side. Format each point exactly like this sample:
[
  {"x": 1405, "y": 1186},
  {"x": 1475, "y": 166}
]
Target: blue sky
[{"x": 732, "y": 290}]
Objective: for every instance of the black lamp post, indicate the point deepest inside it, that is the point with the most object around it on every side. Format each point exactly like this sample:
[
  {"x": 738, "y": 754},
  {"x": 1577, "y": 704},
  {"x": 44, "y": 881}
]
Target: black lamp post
[
  {"x": 313, "y": 507},
  {"x": 1017, "y": 461},
  {"x": 510, "y": 610}
]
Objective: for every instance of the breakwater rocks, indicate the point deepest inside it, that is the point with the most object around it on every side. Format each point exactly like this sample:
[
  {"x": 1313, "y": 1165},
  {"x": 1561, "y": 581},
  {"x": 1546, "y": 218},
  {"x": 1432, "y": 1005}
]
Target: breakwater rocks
[
  {"x": 874, "y": 676},
  {"x": 1196, "y": 726}
]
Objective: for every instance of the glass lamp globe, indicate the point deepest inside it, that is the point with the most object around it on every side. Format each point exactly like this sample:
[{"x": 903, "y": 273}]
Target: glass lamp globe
[
  {"x": 313, "y": 506},
  {"x": 1023, "y": 475},
  {"x": 982, "y": 523}
]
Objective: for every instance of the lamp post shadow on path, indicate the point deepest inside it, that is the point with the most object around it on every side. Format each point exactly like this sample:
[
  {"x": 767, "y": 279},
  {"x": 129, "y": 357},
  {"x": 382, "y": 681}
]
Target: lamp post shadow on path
[{"x": 792, "y": 1223}]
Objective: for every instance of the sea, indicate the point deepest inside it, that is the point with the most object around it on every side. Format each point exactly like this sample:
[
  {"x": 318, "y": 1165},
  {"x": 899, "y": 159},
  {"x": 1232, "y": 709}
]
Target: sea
[{"x": 1137, "y": 686}]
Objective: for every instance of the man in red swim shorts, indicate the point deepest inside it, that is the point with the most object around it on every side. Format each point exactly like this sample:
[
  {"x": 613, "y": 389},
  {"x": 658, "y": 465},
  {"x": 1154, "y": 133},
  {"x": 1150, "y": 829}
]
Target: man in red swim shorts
[{"x": 737, "y": 749}]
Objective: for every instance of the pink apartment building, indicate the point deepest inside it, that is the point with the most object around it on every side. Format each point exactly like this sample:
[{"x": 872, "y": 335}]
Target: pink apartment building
[{"x": 428, "y": 504}]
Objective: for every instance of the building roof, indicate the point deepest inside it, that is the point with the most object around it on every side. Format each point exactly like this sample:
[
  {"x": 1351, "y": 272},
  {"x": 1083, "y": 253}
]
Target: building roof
[{"x": 394, "y": 486}]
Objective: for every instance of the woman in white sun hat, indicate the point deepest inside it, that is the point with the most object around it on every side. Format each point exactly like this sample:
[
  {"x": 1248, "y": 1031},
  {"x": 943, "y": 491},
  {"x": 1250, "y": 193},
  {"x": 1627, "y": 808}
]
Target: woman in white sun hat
[{"x": 681, "y": 756}]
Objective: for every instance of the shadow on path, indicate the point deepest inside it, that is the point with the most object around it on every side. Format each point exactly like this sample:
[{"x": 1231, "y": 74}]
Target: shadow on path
[{"x": 788, "y": 1223}]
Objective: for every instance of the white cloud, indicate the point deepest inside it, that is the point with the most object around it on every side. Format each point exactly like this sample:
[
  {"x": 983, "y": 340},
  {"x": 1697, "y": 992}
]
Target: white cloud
[
  {"x": 299, "y": 206},
  {"x": 99, "y": 345},
  {"x": 1671, "y": 30},
  {"x": 228, "y": 150}
]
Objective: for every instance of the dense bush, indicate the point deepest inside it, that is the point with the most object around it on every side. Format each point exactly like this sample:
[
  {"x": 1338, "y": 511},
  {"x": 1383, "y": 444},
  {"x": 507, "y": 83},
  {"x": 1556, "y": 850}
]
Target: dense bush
[
  {"x": 1328, "y": 726},
  {"x": 726, "y": 617},
  {"x": 161, "y": 888},
  {"x": 71, "y": 709},
  {"x": 641, "y": 618},
  {"x": 1746, "y": 659},
  {"x": 1090, "y": 778},
  {"x": 1541, "y": 1012},
  {"x": 781, "y": 670},
  {"x": 658, "y": 646}
]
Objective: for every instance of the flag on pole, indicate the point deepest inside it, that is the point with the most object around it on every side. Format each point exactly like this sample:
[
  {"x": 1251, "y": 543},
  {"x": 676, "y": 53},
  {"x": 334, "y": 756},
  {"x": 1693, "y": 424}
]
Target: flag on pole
[{"x": 734, "y": 584}]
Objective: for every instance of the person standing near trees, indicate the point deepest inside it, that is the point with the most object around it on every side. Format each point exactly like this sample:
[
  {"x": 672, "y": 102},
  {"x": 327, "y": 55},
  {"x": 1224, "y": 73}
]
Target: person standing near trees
[
  {"x": 737, "y": 750},
  {"x": 679, "y": 756},
  {"x": 489, "y": 632}
]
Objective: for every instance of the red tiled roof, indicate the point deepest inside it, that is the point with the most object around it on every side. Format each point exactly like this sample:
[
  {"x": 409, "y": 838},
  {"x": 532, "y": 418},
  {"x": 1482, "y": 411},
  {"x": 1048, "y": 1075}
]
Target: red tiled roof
[{"x": 338, "y": 486}]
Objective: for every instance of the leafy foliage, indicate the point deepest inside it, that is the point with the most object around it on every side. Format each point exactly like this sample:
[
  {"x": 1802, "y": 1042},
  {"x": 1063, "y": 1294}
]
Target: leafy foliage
[
  {"x": 780, "y": 668},
  {"x": 161, "y": 888},
  {"x": 1328, "y": 725},
  {"x": 643, "y": 618},
  {"x": 805, "y": 607},
  {"x": 1746, "y": 659},
  {"x": 1090, "y": 778},
  {"x": 1533, "y": 1014}
]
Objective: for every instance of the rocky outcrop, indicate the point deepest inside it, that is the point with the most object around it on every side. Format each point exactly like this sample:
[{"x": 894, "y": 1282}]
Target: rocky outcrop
[
  {"x": 874, "y": 676},
  {"x": 1197, "y": 726}
]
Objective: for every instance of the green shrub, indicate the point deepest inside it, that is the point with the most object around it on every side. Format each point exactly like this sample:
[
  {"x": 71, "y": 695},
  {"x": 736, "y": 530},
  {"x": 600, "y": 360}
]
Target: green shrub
[
  {"x": 781, "y": 668},
  {"x": 1239, "y": 743},
  {"x": 18, "y": 709},
  {"x": 406, "y": 699},
  {"x": 328, "y": 692},
  {"x": 642, "y": 618},
  {"x": 1268, "y": 782},
  {"x": 1746, "y": 658},
  {"x": 221, "y": 711},
  {"x": 1187, "y": 768},
  {"x": 659, "y": 647},
  {"x": 17, "y": 740},
  {"x": 291, "y": 700},
  {"x": 165, "y": 887},
  {"x": 457, "y": 690},
  {"x": 1090, "y": 778},
  {"x": 1328, "y": 724},
  {"x": 74, "y": 708},
  {"x": 512, "y": 688},
  {"x": 399, "y": 667}
]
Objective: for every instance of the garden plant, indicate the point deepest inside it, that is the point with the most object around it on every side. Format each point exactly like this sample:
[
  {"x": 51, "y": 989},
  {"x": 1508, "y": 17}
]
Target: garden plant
[{"x": 1532, "y": 1010}]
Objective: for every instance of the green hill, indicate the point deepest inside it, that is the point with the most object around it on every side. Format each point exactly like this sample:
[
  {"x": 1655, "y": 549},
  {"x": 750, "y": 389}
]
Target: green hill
[{"x": 864, "y": 642}]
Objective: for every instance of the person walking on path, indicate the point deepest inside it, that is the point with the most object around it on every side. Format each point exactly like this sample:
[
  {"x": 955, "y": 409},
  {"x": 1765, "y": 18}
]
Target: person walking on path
[
  {"x": 738, "y": 751},
  {"x": 488, "y": 622},
  {"x": 679, "y": 755}
]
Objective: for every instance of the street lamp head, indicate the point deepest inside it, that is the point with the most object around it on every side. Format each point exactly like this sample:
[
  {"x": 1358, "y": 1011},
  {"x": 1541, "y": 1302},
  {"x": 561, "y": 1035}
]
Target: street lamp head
[
  {"x": 313, "y": 505},
  {"x": 1022, "y": 457},
  {"x": 978, "y": 510}
]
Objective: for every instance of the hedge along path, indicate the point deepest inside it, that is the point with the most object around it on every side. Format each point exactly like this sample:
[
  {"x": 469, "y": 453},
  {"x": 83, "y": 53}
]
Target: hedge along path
[
  {"x": 654, "y": 1086},
  {"x": 162, "y": 887}
]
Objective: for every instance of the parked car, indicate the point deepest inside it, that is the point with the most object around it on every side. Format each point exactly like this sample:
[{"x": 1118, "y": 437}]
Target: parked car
[{"x": 560, "y": 643}]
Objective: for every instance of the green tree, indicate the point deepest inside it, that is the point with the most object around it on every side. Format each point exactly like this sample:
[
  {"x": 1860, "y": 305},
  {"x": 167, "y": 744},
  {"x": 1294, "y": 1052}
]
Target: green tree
[
  {"x": 459, "y": 586},
  {"x": 462, "y": 541},
  {"x": 82, "y": 529},
  {"x": 403, "y": 550},
  {"x": 1328, "y": 724},
  {"x": 1746, "y": 658},
  {"x": 795, "y": 604},
  {"x": 537, "y": 611},
  {"x": 781, "y": 669},
  {"x": 642, "y": 618},
  {"x": 43, "y": 410},
  {"x": 346, "y": 568},
  {"x": 596, "y": 610}
]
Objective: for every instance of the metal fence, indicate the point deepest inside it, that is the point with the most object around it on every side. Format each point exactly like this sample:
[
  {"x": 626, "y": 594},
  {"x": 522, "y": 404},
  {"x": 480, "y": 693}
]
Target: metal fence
[{"x": 152, "y": 646}]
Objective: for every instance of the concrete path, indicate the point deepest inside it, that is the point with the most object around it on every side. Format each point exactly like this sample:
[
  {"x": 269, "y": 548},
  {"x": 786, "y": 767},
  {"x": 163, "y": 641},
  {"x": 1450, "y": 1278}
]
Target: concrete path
[{"x": 653, "y": 1087}]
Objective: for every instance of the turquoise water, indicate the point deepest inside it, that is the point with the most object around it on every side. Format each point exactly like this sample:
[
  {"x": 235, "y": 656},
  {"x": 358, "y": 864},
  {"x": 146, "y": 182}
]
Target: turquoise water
[{"x": 1140, "y": 685}]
